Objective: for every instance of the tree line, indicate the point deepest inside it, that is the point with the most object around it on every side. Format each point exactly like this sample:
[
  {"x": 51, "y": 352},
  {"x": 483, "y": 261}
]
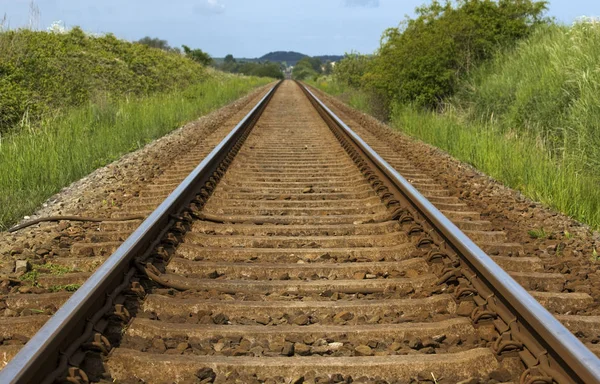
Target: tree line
[{"x": 230, "y": 64}]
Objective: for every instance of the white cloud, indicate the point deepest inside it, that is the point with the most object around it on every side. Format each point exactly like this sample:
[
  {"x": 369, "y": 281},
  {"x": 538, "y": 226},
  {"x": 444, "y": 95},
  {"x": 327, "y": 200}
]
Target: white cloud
[
  {"x": 362, "y": 3},
  {"x": 209, "y": 7}
]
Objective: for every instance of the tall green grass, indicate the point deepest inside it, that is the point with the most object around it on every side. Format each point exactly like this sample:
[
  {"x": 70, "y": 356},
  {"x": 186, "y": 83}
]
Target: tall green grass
[
  {"x": 547, "y": 88},
  {"x": 516, "y": 160},
  {"x": 356, "y": 98},
  {"x": 38, "y": 160}
]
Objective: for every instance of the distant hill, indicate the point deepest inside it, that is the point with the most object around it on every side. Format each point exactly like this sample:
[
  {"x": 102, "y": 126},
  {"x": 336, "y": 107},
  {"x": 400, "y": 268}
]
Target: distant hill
[{"x": 291, "y": 58}]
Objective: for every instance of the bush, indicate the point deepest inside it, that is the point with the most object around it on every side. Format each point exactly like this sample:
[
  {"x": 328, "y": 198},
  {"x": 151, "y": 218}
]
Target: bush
[
  {"x": 43, "y": 72},
  {"x": 197, "y": 55},
  {"x": 351, "y": 69},
  {"x": 422, "y": 61}
]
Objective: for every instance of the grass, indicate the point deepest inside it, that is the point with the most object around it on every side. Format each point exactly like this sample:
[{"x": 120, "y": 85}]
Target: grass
[
  {"x": 56, "y": 269},
  {"x": 356, "y": 98},
  {"x": 537, "y": 233},
  {"x": 40, "y": 159},
  {"x": 514, "y": 159},
  {"x": 53, "y": 269},
  {"x": 66, "y": 287},
  {"x": 43, "y": 72},
  {"x": 547, "y": 88},
  {"x": 31, "y": 277}
]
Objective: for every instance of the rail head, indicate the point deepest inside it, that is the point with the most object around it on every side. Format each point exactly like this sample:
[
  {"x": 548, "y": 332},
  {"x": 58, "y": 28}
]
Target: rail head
[
  {"x": 579, "y": 361},
  {"x": 39, "y": 357}
]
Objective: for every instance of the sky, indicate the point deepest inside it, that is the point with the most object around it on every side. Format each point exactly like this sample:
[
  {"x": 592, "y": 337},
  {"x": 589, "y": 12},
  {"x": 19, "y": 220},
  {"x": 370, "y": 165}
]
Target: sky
[{"x": 244, "y": 28}]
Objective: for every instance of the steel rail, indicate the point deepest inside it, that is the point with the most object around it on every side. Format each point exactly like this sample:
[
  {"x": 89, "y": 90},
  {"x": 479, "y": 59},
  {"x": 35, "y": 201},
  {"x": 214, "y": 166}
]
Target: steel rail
[
  {"x": 562, "y": 344},
  {"x": 41, "y": 354}
]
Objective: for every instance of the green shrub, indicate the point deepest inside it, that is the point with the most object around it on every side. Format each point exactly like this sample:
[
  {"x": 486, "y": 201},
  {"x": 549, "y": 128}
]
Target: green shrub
[
  {"x": 197, "y": 55},
  {"x": 422, "y": 61},
  {"x": 251, "y": 68},
  {"x": 351, "y": 69},
  {"x": 43, "y": 72}
]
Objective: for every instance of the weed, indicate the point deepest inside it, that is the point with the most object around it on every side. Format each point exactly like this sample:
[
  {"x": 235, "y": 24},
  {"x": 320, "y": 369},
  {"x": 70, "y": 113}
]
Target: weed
[
  {"x": 595, "y": 257},
  {"x": 31, "y": 277},
  {"x": 66, "y": 287},
  {"x": 58, "y": 270},
  {"x": 537, "y": 233}
]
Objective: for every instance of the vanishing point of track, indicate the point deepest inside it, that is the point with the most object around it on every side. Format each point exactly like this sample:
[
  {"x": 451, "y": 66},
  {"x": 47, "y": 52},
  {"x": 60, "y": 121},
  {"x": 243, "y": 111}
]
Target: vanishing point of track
[{"x": 295, "y": 253}]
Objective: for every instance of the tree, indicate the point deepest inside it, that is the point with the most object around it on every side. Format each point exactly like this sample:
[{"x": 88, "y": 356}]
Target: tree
[
  {"x": 197, "y": 55},
  {"x": 307, "y": 67},
  {"x": 351, "y": 69},
  {"x": 229, "y": 59},
  {"x": 267, "y": 69},
  {"x": 422, "y": 61},
  {"x": 155, "y": 42}
]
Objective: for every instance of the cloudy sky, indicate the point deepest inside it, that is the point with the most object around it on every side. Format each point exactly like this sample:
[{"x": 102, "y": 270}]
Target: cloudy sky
[{"x": 245, "y": 28}]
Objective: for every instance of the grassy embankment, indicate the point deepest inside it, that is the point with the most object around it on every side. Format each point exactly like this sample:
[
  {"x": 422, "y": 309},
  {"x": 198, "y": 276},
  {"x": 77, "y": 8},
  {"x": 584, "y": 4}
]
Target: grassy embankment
[
  {"x": 70, "y": 103},
  {"x": 529, "y": 118}
]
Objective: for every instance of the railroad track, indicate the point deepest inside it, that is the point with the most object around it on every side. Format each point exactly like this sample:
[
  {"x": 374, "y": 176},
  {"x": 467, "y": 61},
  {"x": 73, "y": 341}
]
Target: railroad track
[{"x": 287, "y": 257}]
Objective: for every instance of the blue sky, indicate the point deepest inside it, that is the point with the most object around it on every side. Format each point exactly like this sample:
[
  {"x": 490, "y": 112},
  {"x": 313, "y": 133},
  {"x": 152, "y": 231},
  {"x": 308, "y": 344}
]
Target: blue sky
[{"x": 245, "y": 28}]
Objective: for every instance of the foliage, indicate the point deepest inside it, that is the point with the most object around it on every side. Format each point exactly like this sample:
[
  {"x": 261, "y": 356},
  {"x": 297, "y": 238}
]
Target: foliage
[
  {"x": 351, "y": 69},
  {"x": 197, "y": 55},
  {"x": 517, "y": 161},
  {"x": 354, "y": 97},
  {"x": 66, "y": 287},
  {"x": 307, "y": 68},
  {"x": 280, "y": 56},
  {"x": 537, "y": 233},
  {"x": 547, "y": 88},
  {"x": 529, "y": 117},
  {"x": 248, "y": 68},
  {"x": 42, "y": 72},
  {"x": 422, "y": 61},
  {"x": 262, "y": 70},
  {"x": 155, "y": 42},
  {"x": 39, "y": 160}
]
